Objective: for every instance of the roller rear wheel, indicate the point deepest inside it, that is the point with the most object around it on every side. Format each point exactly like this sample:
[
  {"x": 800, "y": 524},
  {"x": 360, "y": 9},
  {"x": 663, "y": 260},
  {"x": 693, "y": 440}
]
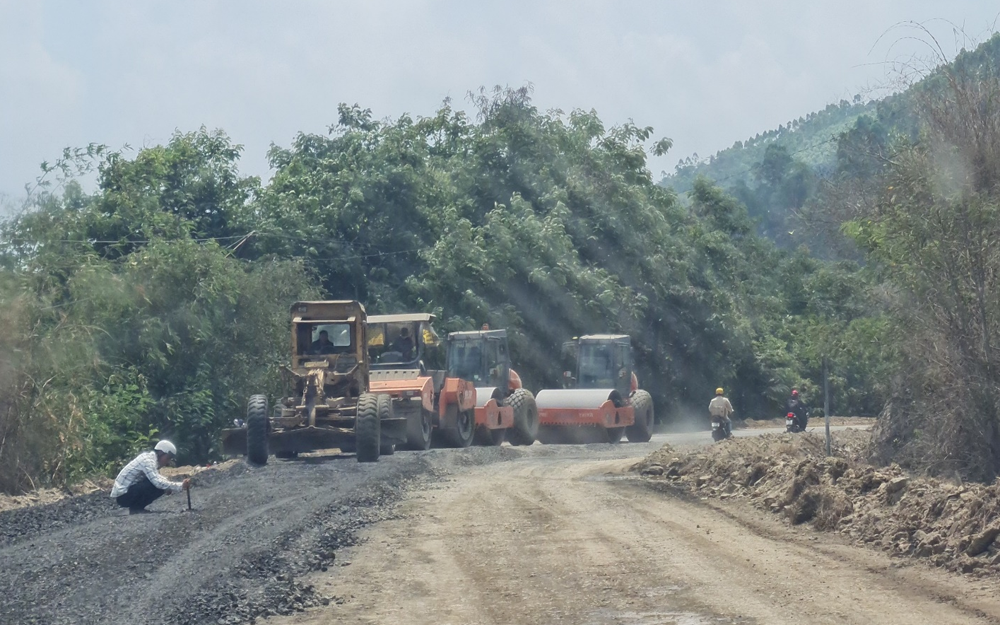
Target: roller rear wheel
[
  {"x": 642, "y": 430},
  {"x": 486, "y": 437},
  {"x": 615, "y": 435},
  {"x": 418, "y": 431},
  {"x": 525, "y": 429}
]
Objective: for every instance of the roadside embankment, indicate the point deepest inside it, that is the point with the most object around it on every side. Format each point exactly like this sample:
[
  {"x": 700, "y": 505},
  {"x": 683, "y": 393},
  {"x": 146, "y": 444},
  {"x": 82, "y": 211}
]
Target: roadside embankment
[
  {"x": 819, "y": 422},
  {"x": 44, "y": 496},
  {"x": 949, "y": 524}
]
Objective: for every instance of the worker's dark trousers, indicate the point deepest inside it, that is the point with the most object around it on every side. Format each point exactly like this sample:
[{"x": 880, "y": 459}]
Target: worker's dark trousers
[{"x": 139, "y": 495}]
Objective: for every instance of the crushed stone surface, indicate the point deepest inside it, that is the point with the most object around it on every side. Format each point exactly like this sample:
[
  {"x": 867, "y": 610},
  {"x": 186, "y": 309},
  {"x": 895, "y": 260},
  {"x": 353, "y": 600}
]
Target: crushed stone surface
[{"x": 240, "y": 556}]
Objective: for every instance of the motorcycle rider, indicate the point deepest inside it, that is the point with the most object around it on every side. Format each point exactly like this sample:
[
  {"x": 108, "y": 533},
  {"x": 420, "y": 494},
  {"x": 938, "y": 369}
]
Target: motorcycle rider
[
  {"x": 720, "y": 407},
  {"x": 796, "y": 406}
]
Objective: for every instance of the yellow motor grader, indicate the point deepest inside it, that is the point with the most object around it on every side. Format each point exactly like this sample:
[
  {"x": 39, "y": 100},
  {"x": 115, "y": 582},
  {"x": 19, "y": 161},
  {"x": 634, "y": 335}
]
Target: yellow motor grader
[{"x": 329, "y": 404}]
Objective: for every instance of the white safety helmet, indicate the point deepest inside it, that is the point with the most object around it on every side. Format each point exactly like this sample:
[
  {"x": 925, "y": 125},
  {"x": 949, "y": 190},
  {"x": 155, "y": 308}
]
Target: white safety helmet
[{"x": 166, "y": 447}]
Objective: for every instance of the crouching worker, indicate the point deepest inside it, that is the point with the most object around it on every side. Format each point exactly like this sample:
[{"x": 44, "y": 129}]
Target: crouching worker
[{"x": 140, "y": 483}]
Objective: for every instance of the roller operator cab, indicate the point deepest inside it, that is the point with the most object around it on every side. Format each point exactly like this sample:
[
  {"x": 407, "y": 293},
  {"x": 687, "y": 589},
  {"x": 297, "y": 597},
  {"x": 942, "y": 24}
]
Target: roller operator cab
[
  {"x": 475, "y": 399},
  {"x": 405, "y": 351},
  {"x": 600, "y": 399},
  {"x": 329, "y": 403},
  {"x": 503, "y": 408}
]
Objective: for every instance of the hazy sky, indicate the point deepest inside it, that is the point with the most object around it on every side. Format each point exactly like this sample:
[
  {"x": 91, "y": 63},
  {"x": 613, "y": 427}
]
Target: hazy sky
[{"x": 704, "y": 74}]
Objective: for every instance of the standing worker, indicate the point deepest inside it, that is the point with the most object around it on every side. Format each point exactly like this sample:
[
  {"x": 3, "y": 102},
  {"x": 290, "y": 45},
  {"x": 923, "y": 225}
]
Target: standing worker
[
  {"x": 796, "y": 406},
  {"x": 720, "y": 407},
  {"x": 140, "y": 483}
]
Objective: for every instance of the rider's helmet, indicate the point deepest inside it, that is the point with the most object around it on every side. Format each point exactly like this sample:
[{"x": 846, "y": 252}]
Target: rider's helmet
[
  {"x": 795, "y": 393},
  {"x": 718, "y": 391}
]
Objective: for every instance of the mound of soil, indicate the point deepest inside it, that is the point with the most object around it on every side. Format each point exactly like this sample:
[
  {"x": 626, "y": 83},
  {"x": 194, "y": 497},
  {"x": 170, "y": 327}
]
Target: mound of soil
[
  {"x": 45, "y": 496},
  {"x": 951, "y": 525}
]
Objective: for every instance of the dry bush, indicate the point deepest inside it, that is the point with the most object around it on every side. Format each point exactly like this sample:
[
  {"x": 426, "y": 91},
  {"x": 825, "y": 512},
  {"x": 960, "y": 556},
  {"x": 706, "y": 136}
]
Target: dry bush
[{"x": 933, "y": 227}]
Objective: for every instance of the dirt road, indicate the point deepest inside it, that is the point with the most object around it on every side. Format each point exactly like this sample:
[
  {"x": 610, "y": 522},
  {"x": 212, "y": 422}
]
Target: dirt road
[
  {"x": 560, "y": 535},
  {"x": 509, "y": 535}
]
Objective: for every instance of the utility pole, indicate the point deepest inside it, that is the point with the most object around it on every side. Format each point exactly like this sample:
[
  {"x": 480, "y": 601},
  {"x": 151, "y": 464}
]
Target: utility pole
[{"x": 826, "y": 403}]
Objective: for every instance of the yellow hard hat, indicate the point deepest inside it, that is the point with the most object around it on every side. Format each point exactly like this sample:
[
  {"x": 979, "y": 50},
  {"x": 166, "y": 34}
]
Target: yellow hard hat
[{"x": 718, "y": 391}]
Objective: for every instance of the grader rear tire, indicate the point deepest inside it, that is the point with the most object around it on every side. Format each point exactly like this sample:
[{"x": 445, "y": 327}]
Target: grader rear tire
[
  {"x": 385, "y": 412},
  {"x": 525, "y": 429},
  {"x": 257, "y": 430},
  {"x": 642, "y": 431},
  {"x": 367, "y": 428}
]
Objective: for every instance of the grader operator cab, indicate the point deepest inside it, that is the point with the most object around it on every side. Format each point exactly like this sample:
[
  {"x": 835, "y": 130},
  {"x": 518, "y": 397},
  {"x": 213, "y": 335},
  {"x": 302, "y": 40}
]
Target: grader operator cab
[
  {"x": 502, "y": 407},
  {"x": 330, "y": 404},
  {"x": 600, "y": 399}
]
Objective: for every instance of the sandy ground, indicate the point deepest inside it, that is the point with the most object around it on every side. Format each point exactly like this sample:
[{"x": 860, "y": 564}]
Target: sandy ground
[
  {"x": 565, "y": 536},
  {"x": 815, "y": 422}
]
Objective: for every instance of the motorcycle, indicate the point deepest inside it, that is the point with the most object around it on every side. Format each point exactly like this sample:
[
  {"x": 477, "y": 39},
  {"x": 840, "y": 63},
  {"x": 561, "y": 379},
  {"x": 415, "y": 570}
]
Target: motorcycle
[
  {"x": 720, "y": 430},
  {"x": 791, "y": 424}
]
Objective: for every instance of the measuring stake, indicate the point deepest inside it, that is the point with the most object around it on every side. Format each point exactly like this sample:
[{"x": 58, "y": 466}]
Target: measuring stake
[{"x": 826, "y": 403}]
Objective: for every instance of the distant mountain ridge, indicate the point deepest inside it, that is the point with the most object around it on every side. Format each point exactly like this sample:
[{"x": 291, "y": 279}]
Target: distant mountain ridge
[
  {"x": 777, "y": 174},
  {"x": 811, "y": 139}
]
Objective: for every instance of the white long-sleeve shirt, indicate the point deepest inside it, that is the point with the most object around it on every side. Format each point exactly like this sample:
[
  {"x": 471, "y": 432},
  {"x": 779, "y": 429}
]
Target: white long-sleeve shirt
[
  {"x": 720, "y": 407},
  {"x": 143, "y": 464}
]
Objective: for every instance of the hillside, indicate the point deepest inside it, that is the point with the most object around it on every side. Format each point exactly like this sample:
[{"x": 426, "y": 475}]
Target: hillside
[
  {"x": 777, "y": 173},
  {"x": 811, "y": 139}
]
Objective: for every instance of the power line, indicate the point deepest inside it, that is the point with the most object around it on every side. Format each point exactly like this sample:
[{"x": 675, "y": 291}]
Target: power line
[
  {"x": 239, "y": 240},
  {"x": 128, "y": 241}
]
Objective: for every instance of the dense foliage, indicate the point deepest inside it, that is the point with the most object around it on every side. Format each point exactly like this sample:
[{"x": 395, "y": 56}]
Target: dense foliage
[
  {"x": 156, "y": 304},
  {"x": 122, "y": 323}
]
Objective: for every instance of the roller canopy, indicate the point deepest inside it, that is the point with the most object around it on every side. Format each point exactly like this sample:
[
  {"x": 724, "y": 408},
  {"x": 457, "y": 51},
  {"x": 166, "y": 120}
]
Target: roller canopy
[{"x": 404, "y": 318}]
